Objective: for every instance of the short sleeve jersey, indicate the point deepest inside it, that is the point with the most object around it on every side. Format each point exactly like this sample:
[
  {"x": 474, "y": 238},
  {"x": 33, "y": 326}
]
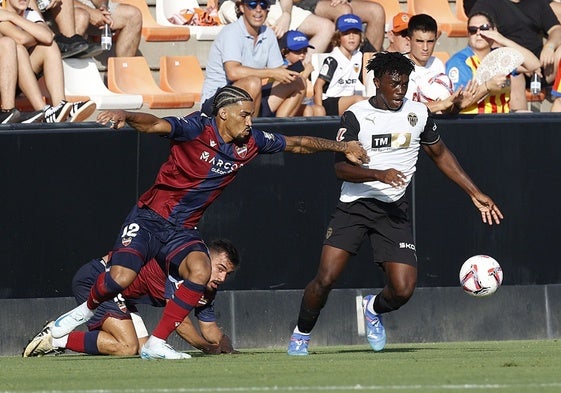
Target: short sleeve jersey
[
  {"x": 525, "y": 22},
  {"x": 433, "y": 67},
  {"x": 341, "y": 74},
  {"x": 234, "y": 43},
  {"x": 392, "y": 140},
  {"x": 199, "y": 166},
  {"x": 461, "y": 69}
]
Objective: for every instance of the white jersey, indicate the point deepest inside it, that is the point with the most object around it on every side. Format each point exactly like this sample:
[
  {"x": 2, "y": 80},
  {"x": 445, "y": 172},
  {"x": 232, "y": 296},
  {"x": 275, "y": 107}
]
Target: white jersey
[
  {"x": 422, "y": 74},
  {"x": 392, "y": 140},
  {"x": 341, "y": 74}
]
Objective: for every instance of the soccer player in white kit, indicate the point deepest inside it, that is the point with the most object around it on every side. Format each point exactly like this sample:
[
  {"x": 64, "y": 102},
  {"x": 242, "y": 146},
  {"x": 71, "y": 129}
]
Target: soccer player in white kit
[{"x": 373, "y": 204}]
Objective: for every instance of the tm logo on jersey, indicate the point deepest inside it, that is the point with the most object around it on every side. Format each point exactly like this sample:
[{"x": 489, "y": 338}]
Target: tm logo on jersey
[
  {"x": 220, "y": 166},
  {"x": 399, "y": 140}
]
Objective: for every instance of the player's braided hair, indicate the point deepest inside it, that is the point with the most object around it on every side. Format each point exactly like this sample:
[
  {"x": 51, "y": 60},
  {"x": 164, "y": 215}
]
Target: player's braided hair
[
  {"x": 389, "y": 63},
  {"x": 228, "y": 95}
]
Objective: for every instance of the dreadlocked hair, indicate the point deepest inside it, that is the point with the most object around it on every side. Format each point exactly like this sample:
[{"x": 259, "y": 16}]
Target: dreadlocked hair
[
  {"x": 228, "y": 95},
  {"x": 389, "y": 63}
]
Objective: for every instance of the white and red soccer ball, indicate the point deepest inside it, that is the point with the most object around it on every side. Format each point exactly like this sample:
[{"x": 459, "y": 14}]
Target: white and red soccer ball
[
  {"x": 437, "y": 88},
  {"x": 481, "y": 275}
]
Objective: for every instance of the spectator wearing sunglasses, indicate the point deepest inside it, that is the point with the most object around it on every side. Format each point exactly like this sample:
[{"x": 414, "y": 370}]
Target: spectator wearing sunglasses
[
  {"x": 244, "y": 54},
  {"x": 493, "y": 96},
  {"x": 283, "y": 16},
  {"x": 527, "y": 22}
]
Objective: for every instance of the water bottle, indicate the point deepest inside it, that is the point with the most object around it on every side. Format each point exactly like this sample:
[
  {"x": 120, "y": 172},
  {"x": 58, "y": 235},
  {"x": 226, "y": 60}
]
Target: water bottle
[
  {"x": 536, "y": 84},
  {"x": 106, "y": 38}
]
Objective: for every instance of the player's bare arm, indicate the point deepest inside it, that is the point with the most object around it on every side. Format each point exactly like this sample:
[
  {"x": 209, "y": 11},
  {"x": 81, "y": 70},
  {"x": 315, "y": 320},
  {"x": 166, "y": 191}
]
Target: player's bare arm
[
  {"x": 354, "y": 152},
  {"x": 449, "y": 165},
  {"x": 355, "y": 174},
  {"x": 143, "y": 122},
  {"x": 189, "y": 333}
]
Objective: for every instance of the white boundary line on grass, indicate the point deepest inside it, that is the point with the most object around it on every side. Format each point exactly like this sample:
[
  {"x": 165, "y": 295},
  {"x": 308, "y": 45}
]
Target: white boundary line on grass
[{"x": 311, "y": 388}]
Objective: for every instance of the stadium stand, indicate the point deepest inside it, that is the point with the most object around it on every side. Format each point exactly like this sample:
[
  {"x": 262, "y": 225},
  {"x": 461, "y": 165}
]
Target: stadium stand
[
  {"x": 166, "y": 8},
  {"x": 441, "y": 11},
  {"x": 181, "y": 74},
  {"x": 132, "y": 75},
  {"x": 460, "y": 13},
  {"x": 152, "y": 30},
  {"x": 81, "y": 77},
  {"x": 391, "y": 8}
]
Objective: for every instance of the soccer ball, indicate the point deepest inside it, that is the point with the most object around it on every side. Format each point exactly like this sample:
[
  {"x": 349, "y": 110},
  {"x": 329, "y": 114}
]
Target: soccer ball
[
  {"x": 437, "y": 88},
  {"x": 481, "y": 275}
]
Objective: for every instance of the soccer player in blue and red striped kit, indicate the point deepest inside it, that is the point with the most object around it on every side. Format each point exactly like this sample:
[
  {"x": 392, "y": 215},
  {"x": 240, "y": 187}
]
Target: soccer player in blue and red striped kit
[{"x": 205, "y": 156}]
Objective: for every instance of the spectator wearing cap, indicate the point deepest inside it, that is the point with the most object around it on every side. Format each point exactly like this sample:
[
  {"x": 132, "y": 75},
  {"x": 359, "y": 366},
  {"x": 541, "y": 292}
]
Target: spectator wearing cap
[
  {"x": 397, "y": 34},
  {"x": 244, "y": 54},
  {"x": 338, "y": 85},
  {"x": 294, "y": 48}
]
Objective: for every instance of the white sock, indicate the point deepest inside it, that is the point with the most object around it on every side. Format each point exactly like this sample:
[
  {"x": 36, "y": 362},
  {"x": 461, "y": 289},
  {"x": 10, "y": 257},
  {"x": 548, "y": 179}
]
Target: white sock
[
  {"x": 60, "y": 342},
  {"x": 370, "y": 306},
  {"x": 85, "y": 310},
  {"x": 299, "y": 332},
  {"x": 154, "y": 341}
]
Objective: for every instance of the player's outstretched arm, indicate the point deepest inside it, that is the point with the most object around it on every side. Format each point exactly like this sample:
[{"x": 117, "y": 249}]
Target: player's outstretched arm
[
  {"x": 143, "y": 122},
  {"x": 189, "y": 333},
  {"x": 354, "y": 152},
  {"x": 449, "y": 165}
]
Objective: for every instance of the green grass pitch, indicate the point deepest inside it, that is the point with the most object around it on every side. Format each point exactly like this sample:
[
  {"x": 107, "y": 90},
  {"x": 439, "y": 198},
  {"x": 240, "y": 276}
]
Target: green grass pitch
[{"x": 497, "y": 366}]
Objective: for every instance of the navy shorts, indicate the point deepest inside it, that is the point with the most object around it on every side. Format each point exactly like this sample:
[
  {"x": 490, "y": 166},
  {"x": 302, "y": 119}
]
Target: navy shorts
[
  {"x": 83, "y": 281},
  {"x": 387, "y": 226},
  {"x": 146, "y": 235}
]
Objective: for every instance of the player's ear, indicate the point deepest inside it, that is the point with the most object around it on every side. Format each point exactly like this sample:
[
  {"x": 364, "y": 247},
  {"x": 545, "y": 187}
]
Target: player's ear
[{"x": 222, "y": 113}]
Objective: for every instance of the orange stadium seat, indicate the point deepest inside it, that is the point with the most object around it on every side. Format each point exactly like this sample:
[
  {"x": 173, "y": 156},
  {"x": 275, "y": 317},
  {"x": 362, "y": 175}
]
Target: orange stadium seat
[
  {"x": 132, "y": 75},
  {"x": 182, "y": 74},
  {"x": 152, "y": 30},
  {"x": 391, "y": 8},
  {"x": 81, "y": 77},
  {"x": 442, "y": 55},
  {"x": 460, "y": 13},
  {"x": 439, "y": 10}
]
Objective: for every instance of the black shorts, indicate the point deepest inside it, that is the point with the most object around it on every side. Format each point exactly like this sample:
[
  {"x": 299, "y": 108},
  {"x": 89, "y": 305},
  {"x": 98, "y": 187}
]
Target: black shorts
[
  {"x": 331, "y": 105},
  {"x": 387, "y": 225}
]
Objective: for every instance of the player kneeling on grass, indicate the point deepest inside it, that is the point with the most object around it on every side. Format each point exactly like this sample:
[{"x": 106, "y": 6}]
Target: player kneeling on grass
[
  {"x": 373, "y": 203},
  {"x": 118, "y": 329}
]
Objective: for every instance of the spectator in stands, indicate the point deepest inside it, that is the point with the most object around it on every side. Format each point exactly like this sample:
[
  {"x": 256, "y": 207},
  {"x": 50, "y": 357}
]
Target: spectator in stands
[
  {"x": 244, "y": 54},
  {"x": 125, "y": 19},
  {"x": 338, "y": 85},
  {"x": 294, "y": 48},
  {"x": 63, "y": 15},
  {"x": 8, "y": 81},
  {"x": 422, "y": 32},
  {"x": 370, "y": 12},
  {"x": 284, "y": 16},
  {"x": 28, "y": 29},
  {"x": 397, "y": 34},
  {"x": 494, "y": 95},
  {"x": 526, "y": 23}
]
